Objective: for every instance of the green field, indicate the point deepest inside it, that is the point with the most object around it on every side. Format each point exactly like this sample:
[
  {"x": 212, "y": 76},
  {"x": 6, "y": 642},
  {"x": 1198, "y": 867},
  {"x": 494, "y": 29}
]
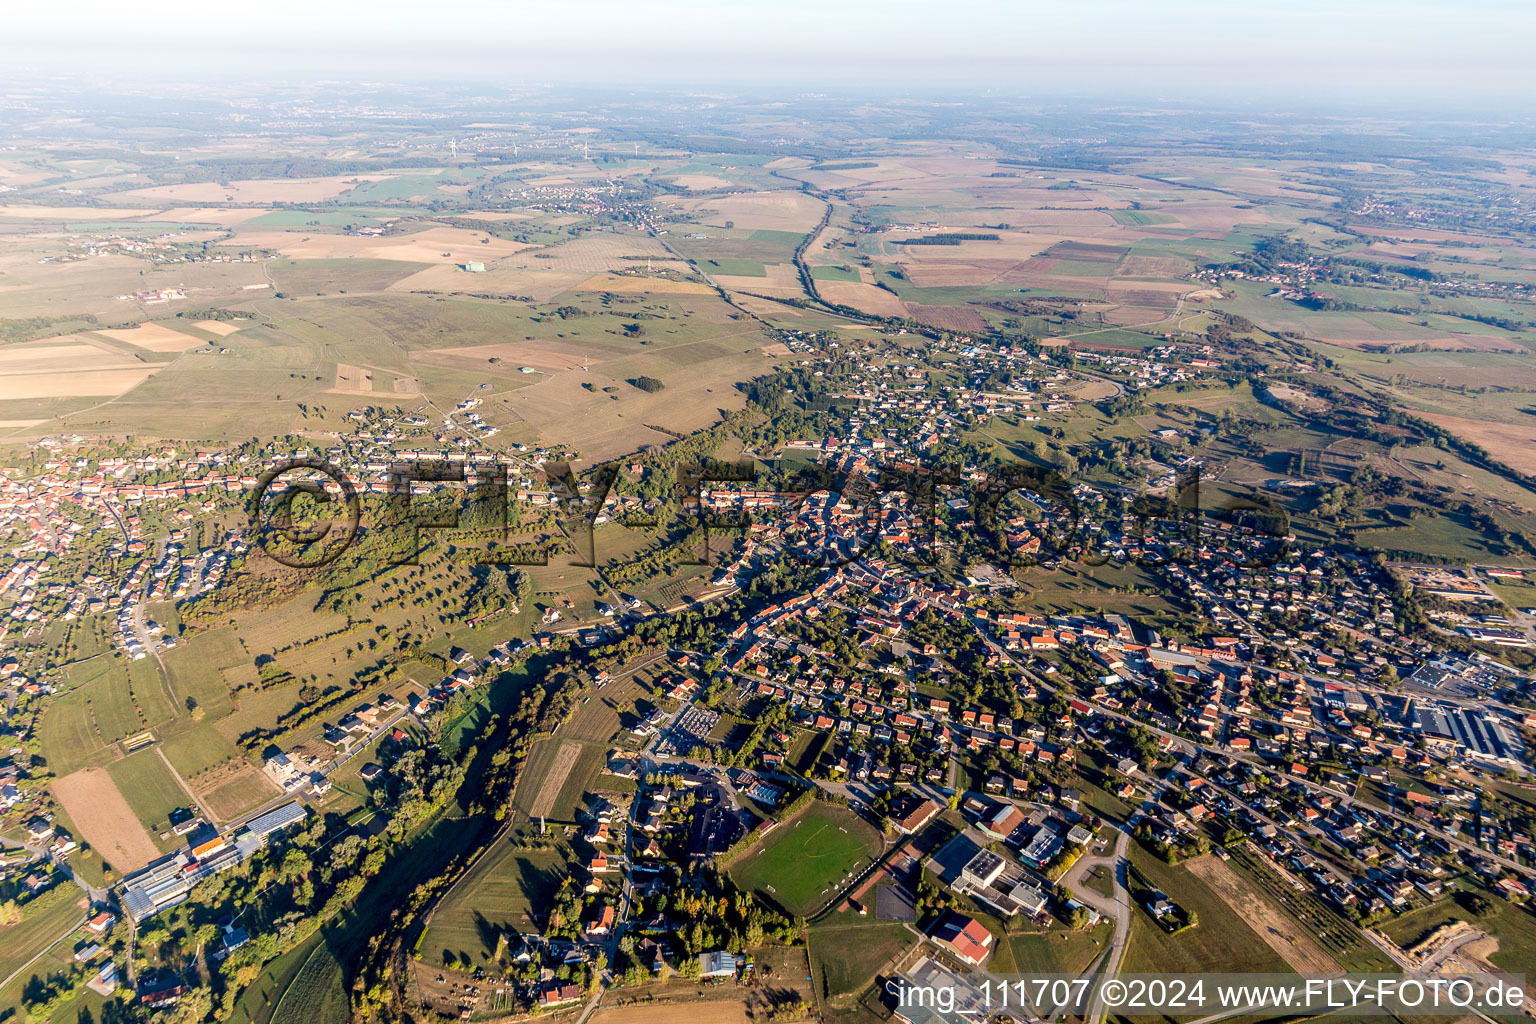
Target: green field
[
  {"x": 1140, "y": 218},
  {"x": 40, "y": 924},
  {"x": 503, "y": 893},
  {"x": 846, "y": 952},
  {"x": 1060, "y": 950},
  {"x": 317, "y": 994},
  {"x": 1219, "y": 943},
  {"x": 150, "y": 789},
  {"x": 542, "y": 760},
  {"x": 1513, "y": 925},
  {"x": 835, "y": 273},
  {"x": 800, "y": 864}
]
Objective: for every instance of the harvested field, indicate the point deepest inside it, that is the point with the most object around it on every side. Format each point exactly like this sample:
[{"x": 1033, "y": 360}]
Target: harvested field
[
  {"x": 554, "y": 779},
  {"x": 864, "y": 297},
  {"x": 537, "y": 283},
  {"x": 209, "y": 215},
  {"x": 72, "y": 212},
  {"x": 1152, "y": 297},
  {"x": 958, "y": 273},
  {"x": 59, "y": 357},
  {"x": 1446, "y": 342},
  {"x": 543, "y": 355},
  {"x": 353, "y": 379},
  {"x": 1281, "y": 932},
  {"x": 156, "y": 338},
  {"x": 260, "y": 190},
  {"x": 105, "y": 820},
  {"x": 947, "y": 318},
  {"x": 732, "y": 1011},
  {"x": 1512, "y": 443},
  {"x": 67, "y": 370},
  {"x": 624, "y": 284},
  {"x": 81, "y": 384},
  {"x": 223, "y": 328},
  {"x": 594, "y": 254},
  {"x": 780, "y": 280},
  {"x": 1151, "y": 266},
  {"x": 698, "y": 182},
  {"x": 789, "y": 210},
  {"x": 1087, "y": 252},
  {"x": 434, "y": 245}
]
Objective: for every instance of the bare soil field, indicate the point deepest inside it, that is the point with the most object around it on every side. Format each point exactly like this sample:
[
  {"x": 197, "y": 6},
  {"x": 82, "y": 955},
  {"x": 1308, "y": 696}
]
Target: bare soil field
[
  {"x": 947, "y": 318},
  {"x": 105, "y": 820},
  {"x": 434, "y": 245},
  {"x": 260, "y": 190},
  {"x": 862, "y": 296},
  {"x": 1514, "y": 444},
  {"x": 223, "y": 328},
  {"x": 1282, "y": 934},
  {"x": 725, "y": 1012},
  {"x": 626, "y": 284},
  {"x": 554, "y": 780},
  {"x": 156, "y": 338}
]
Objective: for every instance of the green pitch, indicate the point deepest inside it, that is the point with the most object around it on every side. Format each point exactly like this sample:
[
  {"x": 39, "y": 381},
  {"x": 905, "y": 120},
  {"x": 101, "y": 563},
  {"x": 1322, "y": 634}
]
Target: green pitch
[{"x": 804, "y": 862}]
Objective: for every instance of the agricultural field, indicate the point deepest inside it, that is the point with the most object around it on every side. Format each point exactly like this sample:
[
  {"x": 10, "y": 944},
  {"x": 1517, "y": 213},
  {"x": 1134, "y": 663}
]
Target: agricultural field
[
  {"x": 38, "y": 928},
  {"x": 1220, "y": 942},
  {"x": 506, "y": 891},
  {"x": 557, "y": 777},
  {"x": 847, "y": 953},
  {"x": 798, "y": 864}
]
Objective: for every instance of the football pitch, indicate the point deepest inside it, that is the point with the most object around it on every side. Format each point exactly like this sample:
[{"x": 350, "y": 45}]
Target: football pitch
[{"x": 802, "y": 863}]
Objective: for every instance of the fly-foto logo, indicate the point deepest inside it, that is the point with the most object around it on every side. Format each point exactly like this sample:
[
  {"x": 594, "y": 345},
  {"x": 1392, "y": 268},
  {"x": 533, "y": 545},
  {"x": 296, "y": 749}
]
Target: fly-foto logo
[{"x": 306, "y": 512}]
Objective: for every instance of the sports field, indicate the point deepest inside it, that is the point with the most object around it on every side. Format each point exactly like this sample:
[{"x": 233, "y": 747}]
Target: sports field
[{"x": 800, "y": 865}]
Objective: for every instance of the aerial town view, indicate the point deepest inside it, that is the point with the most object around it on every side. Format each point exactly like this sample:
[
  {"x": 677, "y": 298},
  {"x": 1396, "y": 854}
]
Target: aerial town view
[{"x": 644, "y": 516}]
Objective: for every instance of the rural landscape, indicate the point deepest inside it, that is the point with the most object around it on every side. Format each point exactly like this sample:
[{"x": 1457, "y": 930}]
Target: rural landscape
[{"x": 745, "y": 558}]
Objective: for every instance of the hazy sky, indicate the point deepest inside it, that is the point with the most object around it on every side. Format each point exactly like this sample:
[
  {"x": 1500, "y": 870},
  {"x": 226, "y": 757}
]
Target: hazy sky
[{"x": 1191, "y": 48}]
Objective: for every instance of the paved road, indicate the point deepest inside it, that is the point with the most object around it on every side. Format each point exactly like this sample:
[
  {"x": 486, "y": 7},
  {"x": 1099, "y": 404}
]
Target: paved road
[
  {"x": 1117, "y": 908},
  {"x": 1190, "y": 746}
]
